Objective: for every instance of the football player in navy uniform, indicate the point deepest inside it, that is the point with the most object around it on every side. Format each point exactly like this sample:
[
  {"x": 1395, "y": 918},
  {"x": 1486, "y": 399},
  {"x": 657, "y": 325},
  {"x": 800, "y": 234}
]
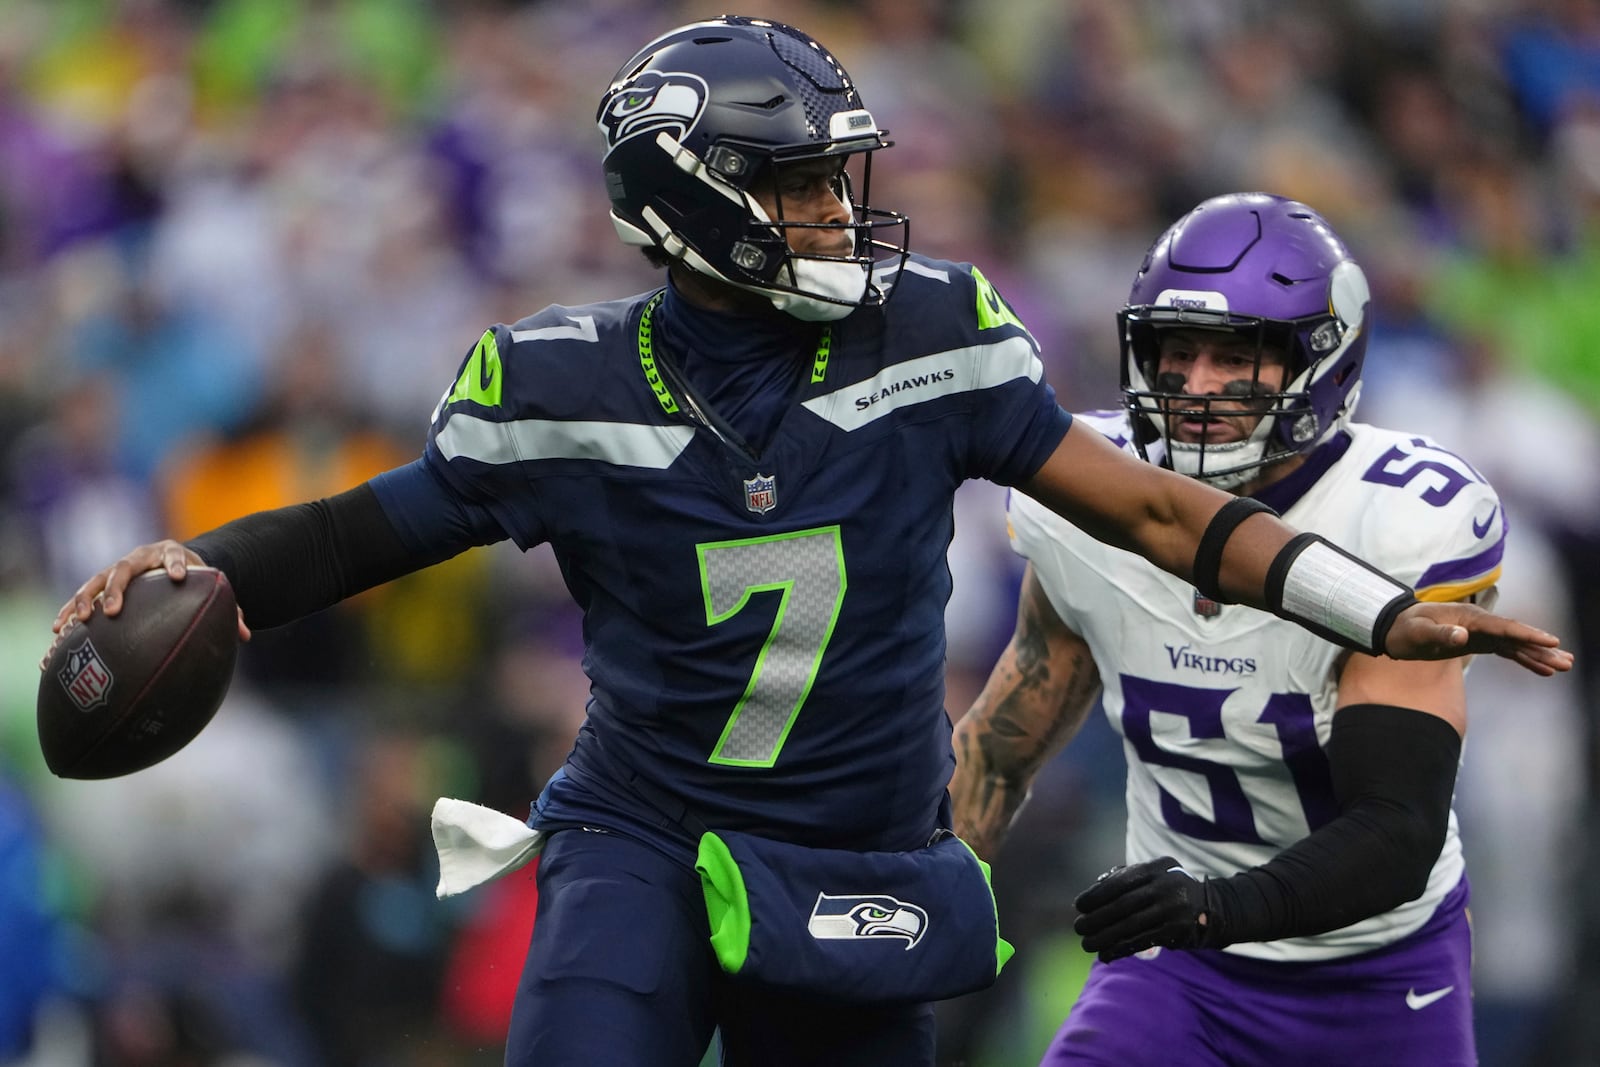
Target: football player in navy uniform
[
  {"x": 1288, "y": 797},
  {"x": 746, "y": 477}
]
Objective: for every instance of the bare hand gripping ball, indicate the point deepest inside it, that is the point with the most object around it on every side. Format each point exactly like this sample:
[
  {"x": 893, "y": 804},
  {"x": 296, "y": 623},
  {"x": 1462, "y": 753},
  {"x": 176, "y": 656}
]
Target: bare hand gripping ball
[{"x": 119, "y": 694}]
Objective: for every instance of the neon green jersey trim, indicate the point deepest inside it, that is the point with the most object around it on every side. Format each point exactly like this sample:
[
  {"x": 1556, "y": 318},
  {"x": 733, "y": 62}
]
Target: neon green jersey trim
[
  {"x": 819, "y": 363},
  {"x": 992, "y": 311},
  {"x": 1003, "y": 949},
  {"x": 727, "y": 903},
  {"x": 480, "y": 378},
  {"x": 647, "y": 356}
]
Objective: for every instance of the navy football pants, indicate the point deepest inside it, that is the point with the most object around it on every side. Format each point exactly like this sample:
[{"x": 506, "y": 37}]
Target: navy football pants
[{"x": 621, "y": 974}]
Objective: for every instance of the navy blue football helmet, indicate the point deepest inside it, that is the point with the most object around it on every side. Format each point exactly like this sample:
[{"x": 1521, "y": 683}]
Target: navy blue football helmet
[
  {"x": 695, "y": 119},
  {"x": 1268, "y": 270}
]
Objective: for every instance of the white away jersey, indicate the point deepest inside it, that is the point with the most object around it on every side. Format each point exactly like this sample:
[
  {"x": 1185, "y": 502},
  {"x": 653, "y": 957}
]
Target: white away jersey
[{"x": 1224, "y": 717}]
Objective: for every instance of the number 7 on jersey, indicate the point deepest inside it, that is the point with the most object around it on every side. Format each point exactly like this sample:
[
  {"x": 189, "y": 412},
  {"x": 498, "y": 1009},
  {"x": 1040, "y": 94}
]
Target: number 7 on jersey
[{"x": 807, "y": 567}]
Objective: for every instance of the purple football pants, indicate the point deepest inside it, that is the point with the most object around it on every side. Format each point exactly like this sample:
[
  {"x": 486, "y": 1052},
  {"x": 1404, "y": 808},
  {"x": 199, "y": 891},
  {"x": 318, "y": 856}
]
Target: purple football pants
[{"x": 1386, "y": 1007}]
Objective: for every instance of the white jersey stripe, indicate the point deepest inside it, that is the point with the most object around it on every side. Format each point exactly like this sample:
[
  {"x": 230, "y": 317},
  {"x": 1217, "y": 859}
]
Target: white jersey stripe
[
  {"x": 619, "y": 443},
  {"x": 916, "y": 381},
  {"x": 926, "y": 271}
]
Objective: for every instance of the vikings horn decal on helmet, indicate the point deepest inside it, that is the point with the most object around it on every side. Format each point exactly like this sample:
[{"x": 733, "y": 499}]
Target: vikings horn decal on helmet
[
  {"x": 1271, "y": 271},
  {"x": 700, "y": 115}
]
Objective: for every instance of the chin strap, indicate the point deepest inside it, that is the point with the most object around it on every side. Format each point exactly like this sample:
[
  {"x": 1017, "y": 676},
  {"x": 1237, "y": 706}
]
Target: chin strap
[
  {"x": 1240, "y": 461},
  {"x": 832, "y": 291}
]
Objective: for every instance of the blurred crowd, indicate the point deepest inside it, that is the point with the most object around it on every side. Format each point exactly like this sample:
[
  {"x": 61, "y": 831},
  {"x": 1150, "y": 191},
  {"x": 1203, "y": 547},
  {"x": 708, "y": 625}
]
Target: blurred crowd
[{"x": 244, "y": 245}]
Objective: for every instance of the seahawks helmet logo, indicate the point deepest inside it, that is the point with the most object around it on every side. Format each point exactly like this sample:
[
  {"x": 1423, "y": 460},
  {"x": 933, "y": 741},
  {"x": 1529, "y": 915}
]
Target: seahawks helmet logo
[
  {"x": 846, "y": 918},
  {"x": 654, "y": 101}
]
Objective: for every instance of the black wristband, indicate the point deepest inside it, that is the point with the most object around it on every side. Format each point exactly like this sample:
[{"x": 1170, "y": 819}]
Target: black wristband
[
  {"x": 1208, "y": 556},
  {"x": 1394, "y": 770},
  {"x": 1380, "y": 629}
]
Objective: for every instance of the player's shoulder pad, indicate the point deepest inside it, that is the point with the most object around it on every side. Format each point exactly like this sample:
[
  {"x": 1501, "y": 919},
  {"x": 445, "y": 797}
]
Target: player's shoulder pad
[
  {"x": 978, "y": 312},
  {"x": 1425, "y": 513}
]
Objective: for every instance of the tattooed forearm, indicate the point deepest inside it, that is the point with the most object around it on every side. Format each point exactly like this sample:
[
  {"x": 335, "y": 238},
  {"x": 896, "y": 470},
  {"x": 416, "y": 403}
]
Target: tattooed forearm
[{"x": 1035, "y": 700}]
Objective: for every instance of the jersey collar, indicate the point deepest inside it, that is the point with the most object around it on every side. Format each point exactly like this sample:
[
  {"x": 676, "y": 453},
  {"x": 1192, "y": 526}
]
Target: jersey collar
[{"x": 1285, "y": 493}]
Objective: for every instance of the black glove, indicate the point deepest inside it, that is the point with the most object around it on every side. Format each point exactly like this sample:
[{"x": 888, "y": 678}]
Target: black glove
[{"x": 1130, "y": 909}]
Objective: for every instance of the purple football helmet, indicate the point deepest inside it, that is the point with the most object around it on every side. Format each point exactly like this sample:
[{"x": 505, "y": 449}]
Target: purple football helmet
[
  {"x": 698, "y": 116},
  {"x": 1269, "y": 270}
]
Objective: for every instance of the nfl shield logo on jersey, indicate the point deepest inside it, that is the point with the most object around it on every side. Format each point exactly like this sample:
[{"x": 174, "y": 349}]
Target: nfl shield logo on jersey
[
  {"x": 761, "y": 493},
  {"x": 1205, "y": 607},
  {"x": 86, "y": 677}
]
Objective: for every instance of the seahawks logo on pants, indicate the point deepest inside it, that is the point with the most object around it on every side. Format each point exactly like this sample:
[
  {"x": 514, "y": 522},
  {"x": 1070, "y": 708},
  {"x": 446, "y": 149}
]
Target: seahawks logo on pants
[{"x": 845, "y": 918}]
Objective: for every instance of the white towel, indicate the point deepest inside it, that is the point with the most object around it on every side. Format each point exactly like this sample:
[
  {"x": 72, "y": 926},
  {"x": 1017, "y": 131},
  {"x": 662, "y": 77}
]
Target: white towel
[{"x": 478, "y": 844}]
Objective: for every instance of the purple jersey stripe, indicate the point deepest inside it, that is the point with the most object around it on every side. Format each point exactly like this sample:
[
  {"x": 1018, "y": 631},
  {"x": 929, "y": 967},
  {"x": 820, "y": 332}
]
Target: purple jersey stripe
[{"x": 1461, "y": 570}]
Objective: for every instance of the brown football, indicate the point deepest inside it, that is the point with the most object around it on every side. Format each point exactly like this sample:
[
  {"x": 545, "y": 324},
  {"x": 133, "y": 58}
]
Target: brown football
[{"x": 121, "y": 693}]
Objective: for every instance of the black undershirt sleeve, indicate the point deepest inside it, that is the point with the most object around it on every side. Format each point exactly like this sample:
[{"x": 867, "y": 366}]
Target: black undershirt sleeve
[
  {"x": 289, "y": 562},
  {"x": 1394, "y": 772}
]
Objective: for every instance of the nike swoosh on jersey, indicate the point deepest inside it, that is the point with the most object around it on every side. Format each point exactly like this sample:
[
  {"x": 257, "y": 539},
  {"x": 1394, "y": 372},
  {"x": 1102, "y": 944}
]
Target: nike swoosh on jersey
[
  {"x": 1417, "y": 1001},
  {"x": 1483, "y": 528}
]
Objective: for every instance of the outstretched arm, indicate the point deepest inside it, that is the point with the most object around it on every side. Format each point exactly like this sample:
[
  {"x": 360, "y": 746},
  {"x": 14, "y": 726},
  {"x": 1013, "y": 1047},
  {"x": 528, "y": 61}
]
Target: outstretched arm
[
  {"x": 1266, "y": 563},
  {"x": 1035, "y": 700}
]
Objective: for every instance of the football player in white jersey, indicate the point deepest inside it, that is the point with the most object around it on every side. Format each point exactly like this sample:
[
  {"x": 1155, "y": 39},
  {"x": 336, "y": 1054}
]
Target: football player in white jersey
[{"x": 1289, "y": 798}]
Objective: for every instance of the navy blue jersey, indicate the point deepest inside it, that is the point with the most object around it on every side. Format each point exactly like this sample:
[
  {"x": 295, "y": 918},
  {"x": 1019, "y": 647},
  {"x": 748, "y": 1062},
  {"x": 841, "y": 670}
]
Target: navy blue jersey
[{"x": 764, "y": 636}]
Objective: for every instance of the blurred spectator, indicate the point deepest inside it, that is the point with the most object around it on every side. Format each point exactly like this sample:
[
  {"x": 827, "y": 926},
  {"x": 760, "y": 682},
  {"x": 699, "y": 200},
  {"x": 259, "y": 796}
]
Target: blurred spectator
[
  {"x": 1551, "y": 52},
  {"x": 70, "y": 500},
  {"x": 196, "y": 888},
  {"x": 236, "y": 825},
  {"x": 305, "y": 440},
  {"x": 369, "y": 969},
  {"x": 31, "y": 934},
  {"x": 143, "y": 344},
  {"x": 479, "y": 985},
  {"x": 1522, "y": 842}
]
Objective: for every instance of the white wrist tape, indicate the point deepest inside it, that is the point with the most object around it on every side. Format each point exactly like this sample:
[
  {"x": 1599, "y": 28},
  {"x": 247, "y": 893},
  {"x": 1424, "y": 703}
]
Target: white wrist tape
[{"x": 1337, "y": 595}]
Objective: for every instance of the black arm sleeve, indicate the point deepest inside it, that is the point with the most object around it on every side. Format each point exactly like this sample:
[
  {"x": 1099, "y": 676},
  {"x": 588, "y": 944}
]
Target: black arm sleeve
[
  {"x": 289, "y": 562},
  {"x": 1394, "y": 771}
]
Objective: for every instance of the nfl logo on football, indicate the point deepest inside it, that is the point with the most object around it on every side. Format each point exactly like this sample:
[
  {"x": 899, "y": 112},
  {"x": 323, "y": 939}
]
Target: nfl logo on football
[
  {"x": 85, "y": 677},
  {"x": 761, "y": 493}
]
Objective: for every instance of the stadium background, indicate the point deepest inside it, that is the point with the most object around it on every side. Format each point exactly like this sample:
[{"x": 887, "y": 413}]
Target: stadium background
[{"x": 244, "y": 244}]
